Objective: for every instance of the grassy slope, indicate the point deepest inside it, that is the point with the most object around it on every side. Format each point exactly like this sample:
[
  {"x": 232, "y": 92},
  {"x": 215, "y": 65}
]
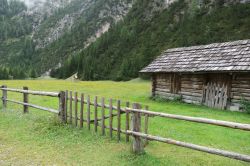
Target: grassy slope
[{"x": 38, "y": 138}]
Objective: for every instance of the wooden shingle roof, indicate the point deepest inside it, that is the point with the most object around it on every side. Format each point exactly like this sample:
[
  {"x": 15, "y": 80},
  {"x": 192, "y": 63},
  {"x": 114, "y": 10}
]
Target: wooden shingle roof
[{"x": 217, "y": 57}]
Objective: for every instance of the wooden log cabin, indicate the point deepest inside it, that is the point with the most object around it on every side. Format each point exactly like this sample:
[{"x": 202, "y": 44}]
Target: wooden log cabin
[{"x": 216, "y": 75}]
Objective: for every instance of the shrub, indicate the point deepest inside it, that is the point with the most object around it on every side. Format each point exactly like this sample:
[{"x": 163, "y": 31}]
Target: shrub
[
  {"x": 164, "y": 99},
  {"x": 246, "y": 105}
]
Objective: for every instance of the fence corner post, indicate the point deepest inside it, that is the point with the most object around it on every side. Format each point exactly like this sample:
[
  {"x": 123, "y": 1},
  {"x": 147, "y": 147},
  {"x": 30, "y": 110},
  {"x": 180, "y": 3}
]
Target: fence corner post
[
  {"x": 25, "y": 100},
  {"x": 62, "y": 106},
  {"x": 4, "y": 97},
  {"x": 137, "y": 143}
]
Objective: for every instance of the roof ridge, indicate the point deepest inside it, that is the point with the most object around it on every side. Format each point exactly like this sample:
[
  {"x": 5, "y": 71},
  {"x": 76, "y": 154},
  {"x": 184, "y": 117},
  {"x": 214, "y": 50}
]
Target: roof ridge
[{"x": 208, "y": 46}]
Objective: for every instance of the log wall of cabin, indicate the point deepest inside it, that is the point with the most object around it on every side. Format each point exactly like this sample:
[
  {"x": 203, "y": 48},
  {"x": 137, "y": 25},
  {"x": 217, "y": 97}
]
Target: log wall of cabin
[
  {"x": 240, "y": 87},
  {"x": 192, "y": 87},
  {"x": 162, "y": 86}
]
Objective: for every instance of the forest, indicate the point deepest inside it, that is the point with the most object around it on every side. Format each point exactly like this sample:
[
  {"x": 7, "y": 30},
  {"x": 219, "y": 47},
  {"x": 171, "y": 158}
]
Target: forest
[
  {"x": 14, "y": 40},
  {"x": 134, "y": 42},
  {"x": 119, "y": 54}
]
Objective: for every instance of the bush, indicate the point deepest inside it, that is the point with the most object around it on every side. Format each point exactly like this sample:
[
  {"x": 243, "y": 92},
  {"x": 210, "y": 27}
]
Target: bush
[
  {"x": 163, "y": 99},
  {"x": 246, "y": 105}
]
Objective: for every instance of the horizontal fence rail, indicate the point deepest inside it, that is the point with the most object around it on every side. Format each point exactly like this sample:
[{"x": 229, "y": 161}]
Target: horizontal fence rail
[
  {"x": 34, "y": 106},
  {"x": 219, "y": 152},
  {"x": 234, "y": 125},
  {"x": 40, "y": 93},
  {"x": 79, "y": 109}
]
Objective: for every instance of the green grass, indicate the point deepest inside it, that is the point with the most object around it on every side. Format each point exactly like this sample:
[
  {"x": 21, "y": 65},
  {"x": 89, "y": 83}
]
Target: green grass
[{"x": 38, "y": 139}]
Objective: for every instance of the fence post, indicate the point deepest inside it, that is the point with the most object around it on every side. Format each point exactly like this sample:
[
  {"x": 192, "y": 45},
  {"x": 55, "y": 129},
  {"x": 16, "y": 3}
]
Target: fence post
[
  {"x": 4, "y": 97},
  {"x": 96, "y": 113},
  {"x": 111, "y": 118},
  {"x": 62, "y": 106},
  {"x": 127, "y": 122},
  {"x": 66, "y": 106},
  {"x": 103, "y": 116},
  {"x": 25, "y": 100},
  {"x": 146, "y": 126},
  {"x": 119, "y": 120},
  {"x": 137, "y": 143},
  {"x": 76, "y": 109}
]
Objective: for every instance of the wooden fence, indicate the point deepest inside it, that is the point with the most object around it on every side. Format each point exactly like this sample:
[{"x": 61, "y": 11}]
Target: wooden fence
[{"x": 132, "y": 118}]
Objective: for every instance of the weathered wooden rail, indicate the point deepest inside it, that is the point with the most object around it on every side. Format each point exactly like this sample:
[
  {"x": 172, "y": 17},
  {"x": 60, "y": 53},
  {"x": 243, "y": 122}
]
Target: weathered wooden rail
[
  {"x": 79, "y": 110},
  {"x": 25, "y": 102}
]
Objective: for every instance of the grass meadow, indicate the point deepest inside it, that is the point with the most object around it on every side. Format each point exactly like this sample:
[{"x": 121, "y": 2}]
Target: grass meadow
[{"x": 38, "y": 138}]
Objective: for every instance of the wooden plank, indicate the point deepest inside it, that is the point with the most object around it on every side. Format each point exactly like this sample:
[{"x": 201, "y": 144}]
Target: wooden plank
[
  {"x": 191, "y": 76},
  {"x": 219, "y": 152},
  {"x": 40, "y": 93},
  {"x": 243, "y": 76},
  {"x": 207, "y": 94},
  {"x": 220, "y": 105},
  {"x": 76, "y": 109},
  {"x": 4, "y": 97},
  {"x": 146, "y": 126},
  {"x": 62, "y": 106},
  {"x": 210, "y": 95},
  {"x": 213, "y": 95},
  {"x": 163, "y": 82},
  {"x": 81, "y": 110},
  {"x": 70, "y": 107},
  {"x": 66, "y": 106},
  {"x": 192, "y": 79},
  {"x": 203, "y": 94},
  {"x": 192, "y": 94},
  {"x": 246, "y": 86},
  {"x": 191, "y": 86},
  {"x": 225, "y": 98},
  {"x": 137, "y": 144},
  {"x": 200, "y": 82},
  {"x": 34, "y": 106},
  {"x": 240, "y": 97},
  {"x": 240, "y": 90},
  {"x": 216, "y": 89},
  {"x": 233, "y": 125},
  {"x": 118, "y": 120},
  {"x": 162, "y": 90},
  {"x": 191, "y": 90},
  {"x": 210, "y": 92},
  {"x": 153, "y": 80},
  {"x": 111, "y": 118},
  {"x": 166, "y": 94},
  {"x": 127, "y": 121},
  {"x": 191, "y": 101},
  {"x": 96, "y": 113},
  {"x": 103, "y": 116},
  {"x": 194, "y": 98},
  {"x": 88, "y": 112},
  {"x": 25, "y": 100},
  {"x": 240, "y": 94},
  {"x": 218, "y": 97},
  {"x": 241, "y": 82}
]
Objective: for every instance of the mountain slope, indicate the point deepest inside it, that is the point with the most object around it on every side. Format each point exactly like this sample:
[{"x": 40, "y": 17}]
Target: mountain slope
[
  {"x": 145, "y": 33},
  {"x": 51, "y": 31},
  {"x": 14, "y": 40},
  {"x": 77, "y": 25},
  {"x": 111, "y": 39}
]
